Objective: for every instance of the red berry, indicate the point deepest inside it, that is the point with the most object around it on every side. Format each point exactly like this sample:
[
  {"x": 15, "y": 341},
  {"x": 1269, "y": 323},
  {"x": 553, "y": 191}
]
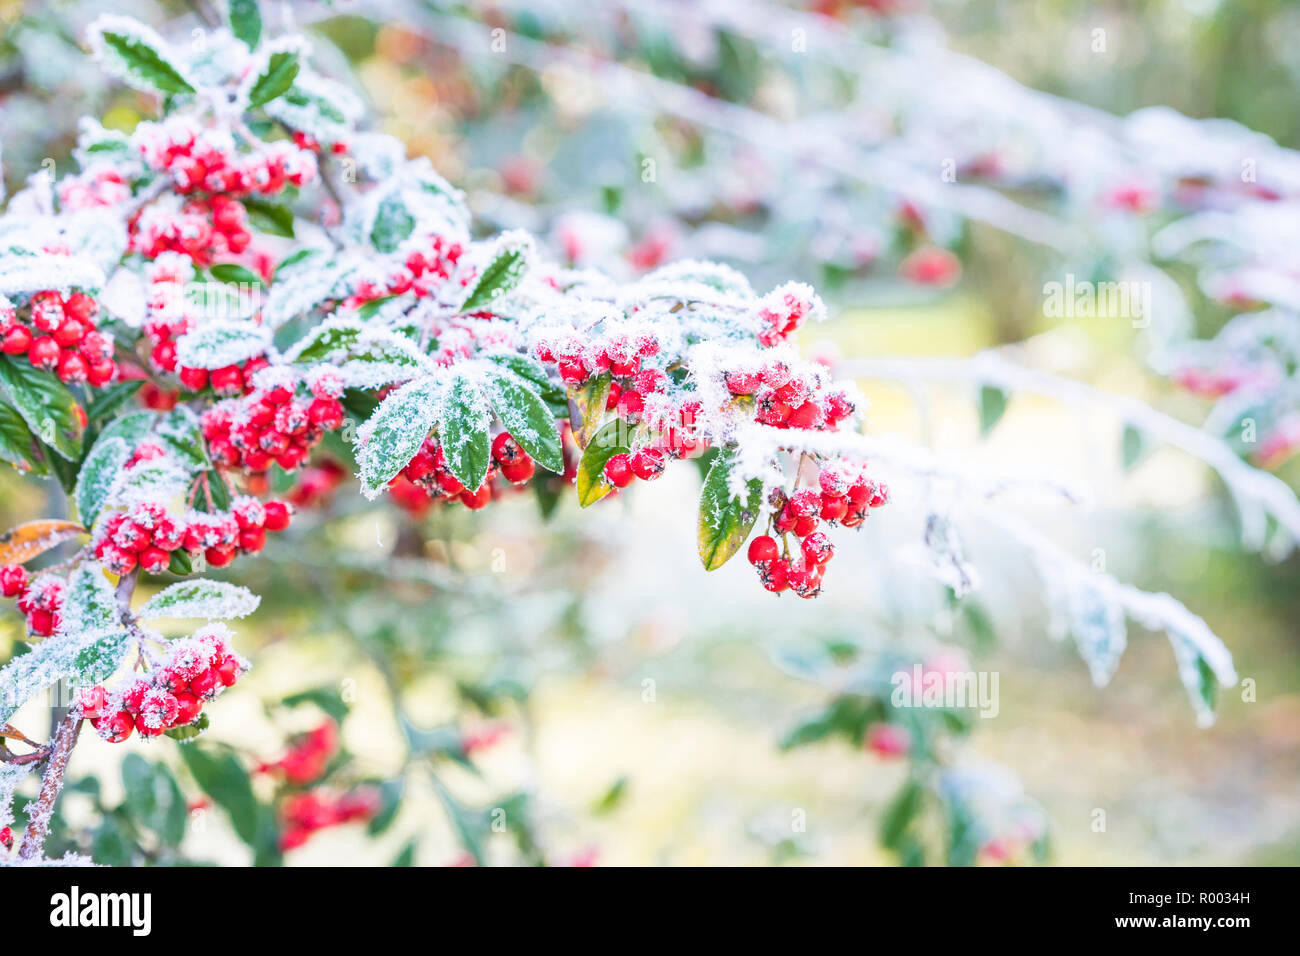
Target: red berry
[
  {"x": 219, "y": 557},
  {"x": 73, "y": 368},
  {"x": 91, "y": 701},
  {"x": 833, "y": 509},
  {"x": 44, "y": 353},
  {"x": 115, "y": 729},
  {"x": 206, "y": 683},
  {"x": 775, "y": 576},
  {"x": 763, "y": 551},
  {"x": 154, "y": 560},
  {"x": 163, "y": 356},
  {"x": 327, "y": 413},
  {"x": 519, "y": 471},
  {"x": 134, "y": 695},
  {"x": 228, "y": 671},
  {"x": 69, "y": 333},
  {"x": 618, "y": 471},
  {"x": 194, "y": 379},
  {"x": 476, "y": 500},
  {"x": 630, "y": 405},
  {"x": 80, "y": 307},
  {"x": 253, "y": 540},
  {"x": 277, "y": 516},
  {"x": 648, "y": 464},
  {"x": 188, "y": 707},
  {"x": 226, "y": 381},
  {"x": 13, "y": 580},
  {"x": 743, "y": 383},
  {"x": 506, "y": 450},
  {"x": 101, "y": 372},
  {"x": 17, "y": 340},
  {"x": 817, "y": 548}
]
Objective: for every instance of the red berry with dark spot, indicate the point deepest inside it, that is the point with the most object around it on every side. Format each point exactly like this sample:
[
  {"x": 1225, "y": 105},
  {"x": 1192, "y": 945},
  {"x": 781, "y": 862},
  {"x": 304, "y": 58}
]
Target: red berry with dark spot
[
  {"x": 44, "y": 353},
  {"x": 648, "y": 463},
  {"x": 154, "y": 560},
  {"x": 763, "y": 551},
  {"x": 116, "y": 728},
  {"x": 618, "y": 471}
]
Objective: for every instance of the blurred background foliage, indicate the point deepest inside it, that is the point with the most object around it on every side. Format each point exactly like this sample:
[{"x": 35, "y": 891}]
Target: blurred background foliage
[{"x": 582, "y": 680}]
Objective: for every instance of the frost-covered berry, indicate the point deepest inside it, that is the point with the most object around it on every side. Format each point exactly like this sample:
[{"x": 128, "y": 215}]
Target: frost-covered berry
[
  {"x": 648, "y": 463},
  {"x": 763, "y": 550},
  {"x": 888, "y": 740},
  {"x": 618, "y": 471},
  {"x": 13, "y": 580},
  {"x": 277, "y": 515},
  {"x": 115, "y": 728}
]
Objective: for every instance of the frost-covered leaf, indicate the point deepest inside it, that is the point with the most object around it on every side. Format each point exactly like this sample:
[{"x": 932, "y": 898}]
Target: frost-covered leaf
[
  {"x": 394, "y": 433},
  {"x": 245, "y": 22},
  {"x": 531, "y": 371},
  {"x": 212, "y": 600},
  {"x": 272, "y": 218},
  {"x": 89, "y": 603},
  {"x": 155, "y": 480},
  {"x": 323, "y": 109},
  {"x": 19, "y": 545},
  {"x": 335, "y": 336},
  {"x": 1133, "y": 447},
  {"x": 99, "y": 473},
  {"x": 80, "y": 659},
  {"x": 180, "y": 434},
  {"x": 393, "y": 224},
  {"x": 1099, "y": 626},
  {"x": 218, "y": 344},
  {"x": 525, "y": 416},
  {"x": 298, "y": 291},
  {"x": 135, "y": 53},
  {"x": 609, "y": 441},
  {"x": 589, "y": 400},
  {"x": 510, "y": 262},
  {"x": 275, "y": 77},
  {"x": 725, "y": 521},
  {"x": 45, "y": 404},
  {"x": 22, "y": 271},
  {"x": 463, "y": 421}
]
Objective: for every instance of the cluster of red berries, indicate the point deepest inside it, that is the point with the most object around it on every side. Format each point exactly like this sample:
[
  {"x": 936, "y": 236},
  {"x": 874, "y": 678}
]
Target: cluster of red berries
[
  {"x": 207, "y": 160},
  {"x": 197, "y": 670},
  {"x": 784, "y": 398},
  {"x": 308, "y": 756},
  {"x": 306, "y": 813},
  {"x": 785, "y": 309},
  {"x": 931, "y": 265},
  {"x": 6, "y": 838},
  {"x": 60, "y": 338},
  {"x": 316, "y": 483},
  {"x": 423, "y": 272},
  {"x": 844, "y": 498},
  {"x": 40, "y": 600},
  {"x": 202, "y": 230},
  {"x": 426, "y": 477},
  {"x": 577, "y": 358},
  {"x": 272, "y": 425},
  {"x": 145, "y": 536},
  {"x": 98, "y": 185}
]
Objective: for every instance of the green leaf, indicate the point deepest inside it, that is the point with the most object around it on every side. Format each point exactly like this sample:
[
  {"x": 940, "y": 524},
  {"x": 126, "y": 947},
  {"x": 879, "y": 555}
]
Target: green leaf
[
  {"x": 220, "y": 343},
  {"x": 526, "y": 417},
  {"x": 191, "y": 730},
  {"x": 393, "y": 224},
  {"x": 89, "y": 603},
  {"x": 463, "y": 431},
  {"x": 612, "y": 797},
  {"x": 17, "y": 441},
  {"x": 99, "y": 475},
  {"x": 808, "y": 731},
  {"x": 81, "y": 659},
  {"x": 531, "y": 371},
  {"x": 235, "y": 274},
  {"x": 390, "y": 796},
  {"x": 611, "y": 440},
  {"x": 137, "y": 59},
  {"x": 502, "y": 274},
  {"x": 992, "y": 403},
  {"x": 224, "y": 779},
  {"x": 154, "y": 799},
  {"x": 395, "y": 432},
  {"x": 725, "y": 522},
  {"x": 211, "y": 600},
  {"x": 407, "y": 856},
  {"x": 590, "y": 400},
  {"x": 272, "y": 218},
  {"x": 45, "y": 404},
  {"x": 108, "y": 400},
  {"x": 333, "y": 337},
  {"x": 246, "y": 22},
  {"x": 275, "y": 79},
  {"x": 326, "y": 698},
  {"x": 1134, "y": 447},
  {"x": 898, "y": 816}
]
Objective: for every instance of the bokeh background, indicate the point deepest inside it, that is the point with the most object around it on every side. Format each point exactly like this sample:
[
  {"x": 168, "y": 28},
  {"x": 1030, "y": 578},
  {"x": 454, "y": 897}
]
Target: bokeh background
[{"x": 639, "y": 705}]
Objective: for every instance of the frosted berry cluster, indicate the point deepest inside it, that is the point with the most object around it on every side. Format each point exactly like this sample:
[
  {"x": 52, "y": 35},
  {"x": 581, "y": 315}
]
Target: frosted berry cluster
[
  {"x": 207, "y": 159},
  {"x": 783, "y": 310},
  {"x": 578, "y": 358},
  {"x": 844, "y": 497},
  {"x": 786, "y": 398},
  {"x": 197, "y": 669},
  {"x": 308, "y": 756},
  {"x": 424, "y": 271},
  {"x": 40, "y": 599},
  {"x": 272, "y": 425},
  {"x": 145, "y": 536},
  {"x": 304, "y": 814},
  {"x": 202, "y": 230},
  {"x": 58, "y": 334}
]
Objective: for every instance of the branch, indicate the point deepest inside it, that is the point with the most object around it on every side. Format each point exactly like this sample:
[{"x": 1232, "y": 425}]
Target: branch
[
  {"x": 38, "y": 827},
  {"x": 1247, "y": 484}
]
